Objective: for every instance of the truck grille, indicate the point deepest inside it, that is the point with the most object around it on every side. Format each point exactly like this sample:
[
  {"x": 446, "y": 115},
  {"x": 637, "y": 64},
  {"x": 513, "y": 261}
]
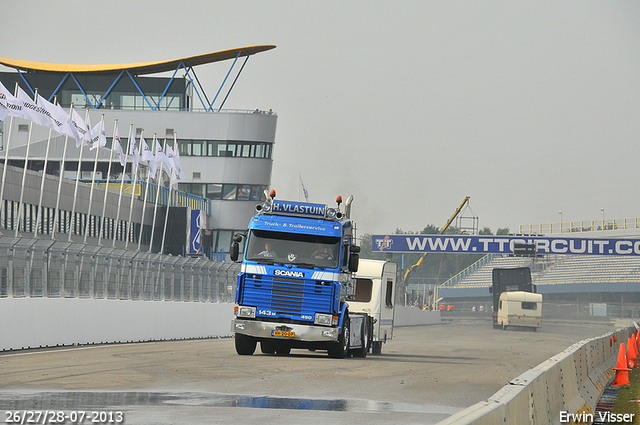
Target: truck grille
[{"x": 287, "y": 296}]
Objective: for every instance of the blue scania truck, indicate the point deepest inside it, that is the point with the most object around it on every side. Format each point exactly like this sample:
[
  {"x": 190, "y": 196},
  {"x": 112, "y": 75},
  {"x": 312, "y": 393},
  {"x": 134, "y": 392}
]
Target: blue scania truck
[{"x": 296, "y": 278}]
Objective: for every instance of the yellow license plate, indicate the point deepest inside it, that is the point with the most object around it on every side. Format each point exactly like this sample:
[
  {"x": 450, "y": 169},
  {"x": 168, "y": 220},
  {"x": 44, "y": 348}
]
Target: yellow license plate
[{"x": 286, "y": 334}]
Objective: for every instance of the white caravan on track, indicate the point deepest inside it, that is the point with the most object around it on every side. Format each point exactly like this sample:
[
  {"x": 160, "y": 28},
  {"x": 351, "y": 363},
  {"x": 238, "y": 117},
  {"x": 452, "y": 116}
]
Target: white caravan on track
[
  {"x": 520, "y": 308},
  {"x": 375, "y": 296}
]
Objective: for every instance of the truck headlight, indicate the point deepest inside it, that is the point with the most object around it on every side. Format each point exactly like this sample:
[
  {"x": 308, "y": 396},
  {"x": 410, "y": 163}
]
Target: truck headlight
[
  {"x": 323, "y": 319},
  {"x": 249, "y": 312}
]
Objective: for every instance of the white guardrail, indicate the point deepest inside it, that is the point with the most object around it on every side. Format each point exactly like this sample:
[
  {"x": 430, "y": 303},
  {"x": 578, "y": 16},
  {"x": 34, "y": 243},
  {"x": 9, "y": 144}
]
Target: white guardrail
[{"x": 570, "y": 382}]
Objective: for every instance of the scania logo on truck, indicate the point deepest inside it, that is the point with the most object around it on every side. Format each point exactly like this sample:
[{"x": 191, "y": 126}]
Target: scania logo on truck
[{"x": 289, "y": 273}]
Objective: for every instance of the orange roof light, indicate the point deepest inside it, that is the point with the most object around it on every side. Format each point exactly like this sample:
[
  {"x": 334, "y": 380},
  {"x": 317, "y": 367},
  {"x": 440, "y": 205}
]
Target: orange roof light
[
  {"x": 273, "y": 193},
  {"x": 339, "y": 200}
]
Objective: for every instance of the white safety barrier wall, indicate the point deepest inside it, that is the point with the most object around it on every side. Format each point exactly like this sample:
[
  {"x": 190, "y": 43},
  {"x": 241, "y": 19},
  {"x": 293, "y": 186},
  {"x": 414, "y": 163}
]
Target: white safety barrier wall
[
  {"x": 56, "y": 293},
  {"x": 571, "y": 382},
  {"x": 50, "y": 322}
]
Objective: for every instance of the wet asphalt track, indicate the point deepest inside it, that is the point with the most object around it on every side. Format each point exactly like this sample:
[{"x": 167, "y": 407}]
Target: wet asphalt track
[{"x": 425, "y": 374}]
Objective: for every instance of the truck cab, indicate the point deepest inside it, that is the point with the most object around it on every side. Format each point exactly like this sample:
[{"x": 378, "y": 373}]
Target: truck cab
[{"x": 295, "y": 280}]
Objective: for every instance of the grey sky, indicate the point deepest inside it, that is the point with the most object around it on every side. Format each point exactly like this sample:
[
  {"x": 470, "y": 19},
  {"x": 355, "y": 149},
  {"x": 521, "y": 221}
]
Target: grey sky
[{"x": 529, "y": 108}]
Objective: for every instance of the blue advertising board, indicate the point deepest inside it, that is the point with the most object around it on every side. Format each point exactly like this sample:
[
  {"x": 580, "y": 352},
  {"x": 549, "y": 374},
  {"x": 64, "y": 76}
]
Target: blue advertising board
[
  {"x": 195, "y": 231},
  {"x": 504, "y": 244}
]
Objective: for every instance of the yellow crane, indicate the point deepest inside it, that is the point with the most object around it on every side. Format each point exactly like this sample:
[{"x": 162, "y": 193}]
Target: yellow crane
[{"x": 417, "y": 265}]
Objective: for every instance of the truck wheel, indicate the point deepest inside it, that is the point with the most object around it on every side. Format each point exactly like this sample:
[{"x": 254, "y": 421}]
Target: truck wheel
[
  {"x": 245, "y": 345},
  {"x": 339, "y": 349},
  {"x": 267, "y": 346},
  {"x": 504, "y": 327},
  {"x": 376, "y": 347},
  {"x": 362, "y": 352}
]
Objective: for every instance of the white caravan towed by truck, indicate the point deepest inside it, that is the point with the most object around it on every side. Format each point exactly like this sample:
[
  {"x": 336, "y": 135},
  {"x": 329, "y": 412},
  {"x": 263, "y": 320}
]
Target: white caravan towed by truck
[
  {"x": 375, "y": 296},
  {"x": 520, "y": 308}
]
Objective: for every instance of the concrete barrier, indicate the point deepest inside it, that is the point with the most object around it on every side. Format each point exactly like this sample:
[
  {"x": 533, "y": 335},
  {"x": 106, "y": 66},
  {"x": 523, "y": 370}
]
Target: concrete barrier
[
  {"x": 571, "y": 381},
  {"x": 46, "y": 322},
  {"x": 51, "y": 322}
]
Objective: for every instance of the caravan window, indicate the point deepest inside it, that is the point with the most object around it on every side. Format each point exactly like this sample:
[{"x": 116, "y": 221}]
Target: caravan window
[
  {"x": 529, "y": 306},
  {"x": 363, "y": 290},
  {"x": 389, "y": 296}
]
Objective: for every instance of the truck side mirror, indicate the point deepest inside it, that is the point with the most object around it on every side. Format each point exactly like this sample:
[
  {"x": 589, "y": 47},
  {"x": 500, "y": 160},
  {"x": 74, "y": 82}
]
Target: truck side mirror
[
  {"x": 235, "y": 247},
  {"x": 354, "y": 258},
  {"x": 234, "y": 252}
]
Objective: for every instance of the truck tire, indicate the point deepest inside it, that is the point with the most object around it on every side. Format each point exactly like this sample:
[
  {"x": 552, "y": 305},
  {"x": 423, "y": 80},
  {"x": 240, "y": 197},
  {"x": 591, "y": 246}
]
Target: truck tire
[
  {"x": 245, "y": 345},
  {"x": 267, "y": 346},
  {"x": 340, "y": 348},
  {"x": 362, "y": 352}
]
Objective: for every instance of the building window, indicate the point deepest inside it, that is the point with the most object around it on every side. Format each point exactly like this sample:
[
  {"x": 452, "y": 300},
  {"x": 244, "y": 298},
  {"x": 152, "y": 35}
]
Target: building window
[
  {"x": 196, "y": 148},
  {"x": 229, "y": 192},
  {"x": 244, "y": 191},
  {"x": 224, "y": 149},
  {"x": 214, "y": 191}
]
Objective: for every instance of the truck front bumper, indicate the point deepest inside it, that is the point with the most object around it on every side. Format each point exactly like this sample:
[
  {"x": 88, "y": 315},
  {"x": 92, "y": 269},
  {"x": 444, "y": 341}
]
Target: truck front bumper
[{"x": 266, "y": 330}]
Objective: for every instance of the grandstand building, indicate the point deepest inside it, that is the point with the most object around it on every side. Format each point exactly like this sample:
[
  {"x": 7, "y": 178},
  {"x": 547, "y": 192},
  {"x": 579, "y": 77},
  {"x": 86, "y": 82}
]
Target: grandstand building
[{"x": 226, "y": 155}]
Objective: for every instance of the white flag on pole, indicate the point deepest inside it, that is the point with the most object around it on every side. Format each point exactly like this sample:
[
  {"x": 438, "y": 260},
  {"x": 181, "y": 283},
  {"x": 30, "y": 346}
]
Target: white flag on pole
[
  {"x": 4, "y": 111},
  {"x": 134, "y": 152},
  {"x": 162, "y": 157},
  {"x": 59, "y": 119},
  {"x": 33, "y": 112},
  {"x": 117, "y": 146},
  {"x": 13, "y": 105},
  {"x": 81, "y": 127},
  {"x": 176, "y": 158},
  {"x": 98, "y": 137},
  {"x": 175, "y": 164},
  {"x": 147, "y": 155},
  {"x": 175, "y": 167}
]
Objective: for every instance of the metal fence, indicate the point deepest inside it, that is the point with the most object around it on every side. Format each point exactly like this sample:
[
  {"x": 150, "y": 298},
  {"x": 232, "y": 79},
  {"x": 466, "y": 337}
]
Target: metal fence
[{"x": 55, "y": 269}]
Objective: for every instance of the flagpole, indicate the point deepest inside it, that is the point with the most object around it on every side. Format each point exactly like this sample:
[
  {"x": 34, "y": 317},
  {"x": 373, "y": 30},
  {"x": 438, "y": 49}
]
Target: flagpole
[
  {"x": 75, "y": 191},
  {"x": 106, "y": 189},
  {"x": 44, "y": 174},
  {"x": 155, "y": 208},
  {"x": 146, "y": 193},
  {"x": 56, "y": 211},
  {"x": 124, "y": 169},
  {"x": 24, "y": 174},
  {"x": 6, "y": 159},
  {"x": 93, "y": 181},
  {"x": 133, "y": 190},
  {"x": 166, "y": 216}
]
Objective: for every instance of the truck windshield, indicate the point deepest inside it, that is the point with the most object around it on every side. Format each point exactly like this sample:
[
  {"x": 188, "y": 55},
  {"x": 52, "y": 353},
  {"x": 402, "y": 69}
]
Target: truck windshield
[{"x": 292, "y": 248}]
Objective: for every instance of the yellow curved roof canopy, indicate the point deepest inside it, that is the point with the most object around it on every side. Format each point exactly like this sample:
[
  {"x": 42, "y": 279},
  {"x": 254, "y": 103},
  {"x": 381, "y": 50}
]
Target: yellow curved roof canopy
[{"x": 134, "y": 68}]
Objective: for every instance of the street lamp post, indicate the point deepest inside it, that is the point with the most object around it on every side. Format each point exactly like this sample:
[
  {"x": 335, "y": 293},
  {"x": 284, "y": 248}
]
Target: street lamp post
[{"x": 560, "y": 212}]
